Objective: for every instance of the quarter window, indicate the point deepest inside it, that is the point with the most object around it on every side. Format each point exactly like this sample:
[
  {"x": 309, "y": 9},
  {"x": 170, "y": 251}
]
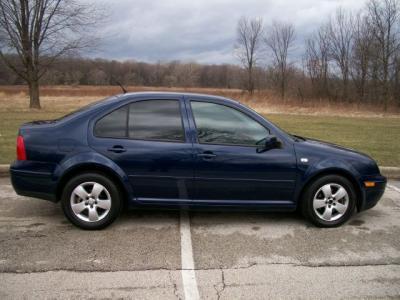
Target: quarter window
[
  {"x": 220, "y": 124},
  {"x": 156, "y": 120}
]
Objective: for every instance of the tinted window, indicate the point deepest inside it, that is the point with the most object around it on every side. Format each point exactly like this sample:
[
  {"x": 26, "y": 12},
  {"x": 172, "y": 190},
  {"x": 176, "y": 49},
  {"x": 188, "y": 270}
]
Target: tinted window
[
  {"x": 113, "y": 125},
  {"x": 220, "y": 124},
  {"x": 156, "y": 120}
]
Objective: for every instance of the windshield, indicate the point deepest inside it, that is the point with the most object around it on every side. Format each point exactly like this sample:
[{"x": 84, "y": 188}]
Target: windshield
[{"x": 296, "y": 138}]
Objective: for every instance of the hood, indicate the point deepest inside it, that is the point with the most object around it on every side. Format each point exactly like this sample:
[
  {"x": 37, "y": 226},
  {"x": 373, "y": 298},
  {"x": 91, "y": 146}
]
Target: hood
[
  {"x": 333, "y": 147},
  {"x": 318, "y": 151}
]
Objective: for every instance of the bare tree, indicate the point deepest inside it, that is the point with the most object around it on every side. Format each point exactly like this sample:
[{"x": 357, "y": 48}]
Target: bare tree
[
  {"x": 340, "y": 42},
  {"x": 384, "y": 17},
  {"x": 317, "y": 61},
  {"x": 361, "y": 53},
  {"x": 396, "y": 81},
  {"x": 279, "y": 40},
  {"x": 249, "y": 34},
  {"x": 40, "y": 31}
]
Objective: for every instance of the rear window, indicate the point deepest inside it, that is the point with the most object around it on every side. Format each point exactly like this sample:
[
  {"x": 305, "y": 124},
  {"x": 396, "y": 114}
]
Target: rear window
[
  {"x": 85, "y": 108},
  {"x": 158, "y": 120}
]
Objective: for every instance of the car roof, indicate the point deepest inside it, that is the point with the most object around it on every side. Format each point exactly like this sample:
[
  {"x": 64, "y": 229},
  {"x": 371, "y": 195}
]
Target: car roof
[
  {"x": 121, "y": 98},
  {"x": 152, "y": 94}
]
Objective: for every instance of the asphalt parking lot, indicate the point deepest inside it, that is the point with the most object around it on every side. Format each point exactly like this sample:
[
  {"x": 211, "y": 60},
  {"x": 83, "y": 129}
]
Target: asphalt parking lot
[{"x": 207, "y": 255}]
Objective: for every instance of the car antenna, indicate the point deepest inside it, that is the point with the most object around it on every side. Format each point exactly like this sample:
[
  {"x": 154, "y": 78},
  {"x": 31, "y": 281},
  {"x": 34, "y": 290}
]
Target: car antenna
[{"x": 122, "y": 87}]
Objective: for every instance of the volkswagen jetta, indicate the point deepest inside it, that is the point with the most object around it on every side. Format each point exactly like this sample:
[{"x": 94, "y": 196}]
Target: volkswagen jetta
[{"x": 186, "y": 150}]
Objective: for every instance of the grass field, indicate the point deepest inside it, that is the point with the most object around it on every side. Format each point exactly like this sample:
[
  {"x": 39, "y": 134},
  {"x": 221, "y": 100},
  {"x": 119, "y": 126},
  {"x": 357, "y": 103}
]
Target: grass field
[
  {"x": 378, "y": 137},
  {"x": 375, "y": 135}
]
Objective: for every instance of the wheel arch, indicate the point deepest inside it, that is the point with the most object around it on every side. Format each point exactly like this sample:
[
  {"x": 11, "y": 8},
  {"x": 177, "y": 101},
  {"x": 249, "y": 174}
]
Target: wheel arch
[
  {"x": 333, "y": 171},
  {"x": 88, "y": 168}
]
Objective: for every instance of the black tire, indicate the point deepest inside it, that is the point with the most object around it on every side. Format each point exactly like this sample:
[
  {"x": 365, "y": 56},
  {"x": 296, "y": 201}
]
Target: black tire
[
  {"x": 308, "y": 199},
  {"x": 113, "y": 192}
]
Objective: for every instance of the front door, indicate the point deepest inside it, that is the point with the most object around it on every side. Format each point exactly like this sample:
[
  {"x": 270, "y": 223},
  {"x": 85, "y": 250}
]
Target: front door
[
  {"x": 147, "y": 140},
  {"x": 229, "y": 169}
]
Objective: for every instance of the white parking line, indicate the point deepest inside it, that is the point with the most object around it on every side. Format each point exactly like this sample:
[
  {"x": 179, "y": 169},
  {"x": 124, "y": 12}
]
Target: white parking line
[
  {"x": 188, "y": 272},
  {"x": 393, "y": 188}
]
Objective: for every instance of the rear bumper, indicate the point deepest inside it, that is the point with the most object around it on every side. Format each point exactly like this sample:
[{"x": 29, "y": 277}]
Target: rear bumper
[
  {"x": 373, "y": 194},
  {"x": 33, "y": 180}
]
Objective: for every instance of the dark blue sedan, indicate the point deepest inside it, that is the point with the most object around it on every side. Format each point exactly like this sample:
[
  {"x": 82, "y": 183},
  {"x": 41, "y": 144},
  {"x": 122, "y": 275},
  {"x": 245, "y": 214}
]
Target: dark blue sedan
[{"x": 186, "y": 150}]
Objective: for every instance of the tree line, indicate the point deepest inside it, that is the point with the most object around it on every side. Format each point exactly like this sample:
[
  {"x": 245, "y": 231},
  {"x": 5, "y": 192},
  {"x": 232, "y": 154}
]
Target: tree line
[
  {"x": 352, "y": 57},
  {"x": 85, "y": 71}
]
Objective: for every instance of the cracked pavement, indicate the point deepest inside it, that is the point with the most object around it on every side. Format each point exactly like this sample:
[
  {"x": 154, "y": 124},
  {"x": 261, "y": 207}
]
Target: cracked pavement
[{"x": 237, "y": 255}]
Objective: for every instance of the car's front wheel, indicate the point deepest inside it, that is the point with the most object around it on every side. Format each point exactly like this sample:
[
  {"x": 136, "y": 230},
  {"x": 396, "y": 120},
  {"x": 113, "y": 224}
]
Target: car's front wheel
[
  {"x": 329, "y": 201},
  {"x": 91, "y": 201}
]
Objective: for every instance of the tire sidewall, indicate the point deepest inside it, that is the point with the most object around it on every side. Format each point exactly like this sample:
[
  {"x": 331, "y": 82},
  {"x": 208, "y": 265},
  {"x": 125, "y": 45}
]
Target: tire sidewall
[
  {"x": 91, "y": 177},
  {"x": 308, "y": 198}
]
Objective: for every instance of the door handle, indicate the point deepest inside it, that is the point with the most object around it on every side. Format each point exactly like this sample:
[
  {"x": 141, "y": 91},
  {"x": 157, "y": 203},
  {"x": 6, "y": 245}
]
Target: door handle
[
  {"x": 117, "y": 149},
  {"x": 207, "y": 155}
]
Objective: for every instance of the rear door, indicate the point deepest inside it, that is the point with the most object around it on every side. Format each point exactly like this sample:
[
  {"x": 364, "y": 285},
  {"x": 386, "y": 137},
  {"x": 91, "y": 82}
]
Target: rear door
[{"x": 147, "y": 139}]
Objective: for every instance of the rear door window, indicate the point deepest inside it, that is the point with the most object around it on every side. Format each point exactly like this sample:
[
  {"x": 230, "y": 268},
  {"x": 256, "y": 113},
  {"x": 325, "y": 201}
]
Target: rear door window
[{"x": 156, "y": 120}]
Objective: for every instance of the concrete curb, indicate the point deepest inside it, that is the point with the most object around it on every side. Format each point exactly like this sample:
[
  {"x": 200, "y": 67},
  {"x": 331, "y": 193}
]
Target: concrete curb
[
  {"x": 389, "y": 172},
  {"x": 4, "y": 170}
]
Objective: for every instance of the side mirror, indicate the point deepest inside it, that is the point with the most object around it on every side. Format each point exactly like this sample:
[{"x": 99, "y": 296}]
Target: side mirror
[{"x": 268, "y": 143}]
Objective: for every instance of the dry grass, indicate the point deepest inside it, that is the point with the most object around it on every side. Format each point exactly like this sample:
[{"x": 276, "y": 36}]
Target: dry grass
[
  {"x": 14, "y": 98},
  {"x": 364, "y": 129}
]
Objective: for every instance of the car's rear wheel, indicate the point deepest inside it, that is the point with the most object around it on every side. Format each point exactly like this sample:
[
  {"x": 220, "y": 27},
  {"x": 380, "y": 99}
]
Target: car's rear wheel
[
  {"x": 329, "y": 201},
  {"x": 91, "y": 201}
]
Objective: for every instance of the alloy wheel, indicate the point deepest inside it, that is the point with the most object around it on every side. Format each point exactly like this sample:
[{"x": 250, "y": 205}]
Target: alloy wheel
[
  {"x": 331, "y": 202},
  {"x": 90, "y": 201}
]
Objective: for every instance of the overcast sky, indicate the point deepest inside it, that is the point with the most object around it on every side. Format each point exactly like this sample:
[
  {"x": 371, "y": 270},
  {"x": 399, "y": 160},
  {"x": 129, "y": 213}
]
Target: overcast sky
[{"x": 200, "y": 30}]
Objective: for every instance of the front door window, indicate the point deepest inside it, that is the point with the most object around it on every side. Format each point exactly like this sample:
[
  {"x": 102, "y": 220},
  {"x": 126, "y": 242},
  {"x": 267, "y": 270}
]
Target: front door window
[{"x": 220, "y": 124}]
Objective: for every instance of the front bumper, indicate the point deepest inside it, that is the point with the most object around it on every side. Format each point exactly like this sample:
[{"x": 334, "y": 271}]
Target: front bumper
[{"x": 371, "y": 195}]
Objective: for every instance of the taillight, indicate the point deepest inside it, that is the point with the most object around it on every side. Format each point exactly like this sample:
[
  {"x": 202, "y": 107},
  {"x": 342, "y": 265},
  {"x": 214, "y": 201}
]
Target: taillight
[{"x": 21, "y": 153}]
